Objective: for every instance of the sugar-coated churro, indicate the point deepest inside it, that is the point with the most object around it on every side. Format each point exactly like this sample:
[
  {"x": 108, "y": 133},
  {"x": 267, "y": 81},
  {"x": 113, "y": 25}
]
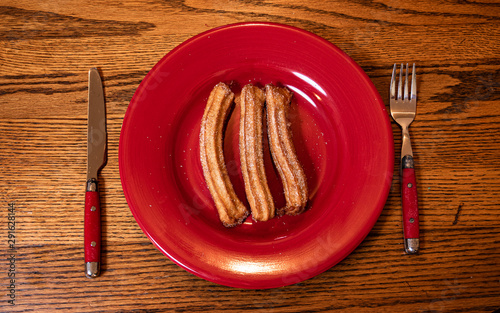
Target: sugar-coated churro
[
  {"x": 283, "y": 152},
  {"x": 220, "y": 103},
  {"x": 251, "y": 153}
]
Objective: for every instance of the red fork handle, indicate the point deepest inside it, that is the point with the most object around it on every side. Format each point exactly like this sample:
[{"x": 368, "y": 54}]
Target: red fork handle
[
  {"x": 410, "y": 206},
  {"x": 92, "y": 230}
]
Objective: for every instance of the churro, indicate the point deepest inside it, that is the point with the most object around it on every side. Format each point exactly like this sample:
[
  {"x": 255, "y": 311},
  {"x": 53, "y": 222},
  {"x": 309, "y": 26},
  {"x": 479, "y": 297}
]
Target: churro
[
  {"x": 251, "y": 153},
  {"x": 220, "y": 103},
  {"x": 283, "y": 152}
]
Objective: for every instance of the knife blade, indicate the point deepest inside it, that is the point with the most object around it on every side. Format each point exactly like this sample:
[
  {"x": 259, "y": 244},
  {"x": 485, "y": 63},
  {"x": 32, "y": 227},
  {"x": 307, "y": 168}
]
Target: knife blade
[{"x": 96, "y": 158}]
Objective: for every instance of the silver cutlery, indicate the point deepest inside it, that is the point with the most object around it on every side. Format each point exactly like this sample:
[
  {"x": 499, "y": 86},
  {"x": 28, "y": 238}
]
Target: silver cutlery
[
  {"x": 96, "y": 158},
  {"x": 403, "y": 111}
]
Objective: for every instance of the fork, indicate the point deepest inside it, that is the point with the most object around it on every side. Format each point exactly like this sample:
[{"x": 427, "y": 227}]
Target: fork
[{"x": 403, "y": 111}]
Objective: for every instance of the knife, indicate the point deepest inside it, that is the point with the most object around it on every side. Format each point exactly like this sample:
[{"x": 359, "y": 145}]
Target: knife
[{"x": 96, "y": 158}]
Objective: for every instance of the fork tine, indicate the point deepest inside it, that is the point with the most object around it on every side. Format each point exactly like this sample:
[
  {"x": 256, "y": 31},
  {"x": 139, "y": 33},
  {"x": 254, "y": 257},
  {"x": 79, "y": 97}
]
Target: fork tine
[
  {"x": 400, "y": 82},
  {"x": 405, "y": 96},
  {"x": 413, "y": 83},
  {"x": 392, "y": 93}
]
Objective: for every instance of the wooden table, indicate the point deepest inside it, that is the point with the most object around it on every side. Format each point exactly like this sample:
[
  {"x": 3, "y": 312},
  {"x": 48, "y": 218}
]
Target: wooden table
[{"x": 46, "y": 49}]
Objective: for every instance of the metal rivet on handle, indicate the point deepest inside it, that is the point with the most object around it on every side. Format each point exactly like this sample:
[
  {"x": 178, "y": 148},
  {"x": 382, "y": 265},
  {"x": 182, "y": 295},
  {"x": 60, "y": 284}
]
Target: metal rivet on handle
[
  {"x": 93, "y": 243},
  {"x": 410, "y": 185},
  {"x": 412, "y": 220},
  {"x": 93, "y": 208}
]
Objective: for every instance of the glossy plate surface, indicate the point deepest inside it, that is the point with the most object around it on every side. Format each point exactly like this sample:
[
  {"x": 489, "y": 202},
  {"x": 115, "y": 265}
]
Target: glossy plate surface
[{"x": 341, "y": 132}]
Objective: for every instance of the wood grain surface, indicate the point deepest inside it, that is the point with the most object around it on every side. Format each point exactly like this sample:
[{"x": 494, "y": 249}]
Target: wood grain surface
[{"x": 46, "y": 49}]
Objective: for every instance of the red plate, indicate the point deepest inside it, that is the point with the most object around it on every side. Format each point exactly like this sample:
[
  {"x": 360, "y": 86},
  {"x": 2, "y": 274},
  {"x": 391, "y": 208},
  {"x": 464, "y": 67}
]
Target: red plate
[{"x": 341, "y": 131}]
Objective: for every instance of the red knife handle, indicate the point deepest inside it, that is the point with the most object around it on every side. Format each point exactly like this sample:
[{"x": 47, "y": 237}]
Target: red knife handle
[
  {"x": 92, "y": 230},
  {"x": 410, "y": 206}
]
